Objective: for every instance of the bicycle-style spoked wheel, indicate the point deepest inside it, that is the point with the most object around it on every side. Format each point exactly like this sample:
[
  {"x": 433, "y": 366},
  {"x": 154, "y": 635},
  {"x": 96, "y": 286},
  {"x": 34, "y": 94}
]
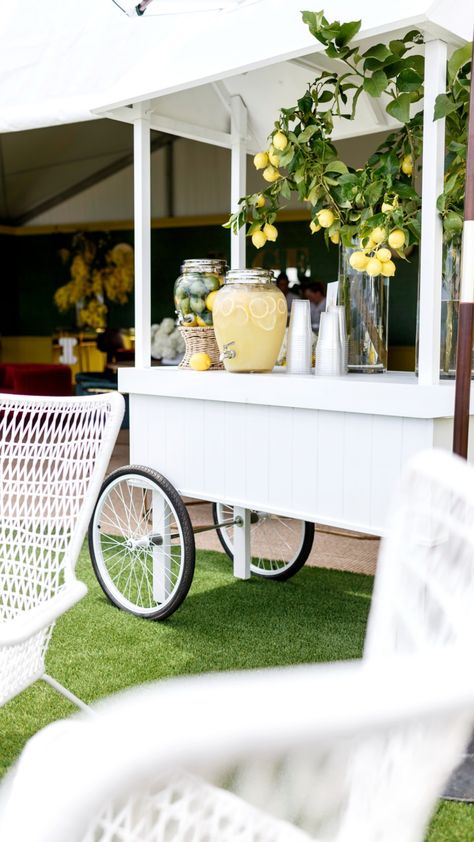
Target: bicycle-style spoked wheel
[
  {"x": 279, "y": 545},
  {"x": 142, "y": 543}
]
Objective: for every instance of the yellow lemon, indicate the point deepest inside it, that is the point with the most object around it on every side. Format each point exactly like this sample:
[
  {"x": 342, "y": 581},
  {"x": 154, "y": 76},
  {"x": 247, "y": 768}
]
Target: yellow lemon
[
  {"x": 396, "y": 239},
  {"x": 259, "y": 201},
  {"x": 260, "y": 160},
  {"x": 200, "y": 322},
  {"x": 407, "y": 165},
  {"x": 273, "y": 157},
  {"x": 313, "y": 227},
  {"x": 358, "y": 260},
  {"x": 259, "y": 238},
  {"x": 325, "y": 217},
  {"x": 270, "y": 232},
  {"x": 189, "y": 322},
  {"x": 384, "y": 255},
  {"x": 210, "y": 300},
  {"x": 386, "y": 207},
  {"x": 271, "y": 174},
  {"x": 335, "y": 238},
  {"x": 374, "y": 267},
  {"x": 258, "y": 307},
  {"x": 280, "y": 141},
  {"x": 378, "y": 235},
  {"x": 388, "y": 268},
  {"x": 200, "y": 361}
]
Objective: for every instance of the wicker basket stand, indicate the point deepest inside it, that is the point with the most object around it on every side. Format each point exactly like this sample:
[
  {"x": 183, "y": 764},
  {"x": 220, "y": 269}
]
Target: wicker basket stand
[{"x": 198, "y": 340}]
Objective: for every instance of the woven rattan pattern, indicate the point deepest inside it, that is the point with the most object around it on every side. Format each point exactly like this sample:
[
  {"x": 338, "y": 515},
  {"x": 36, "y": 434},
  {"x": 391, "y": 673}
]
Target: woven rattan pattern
[
  {"x": 200, "y": 340},
  {"x": 48, "y": 452}
]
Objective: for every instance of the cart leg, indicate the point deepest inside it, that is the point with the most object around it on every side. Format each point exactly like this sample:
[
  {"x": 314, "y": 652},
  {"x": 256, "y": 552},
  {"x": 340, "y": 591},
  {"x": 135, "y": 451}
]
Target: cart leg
[
  {"x": 242, "y": 544},
  {"x": 161, "y": 554}
]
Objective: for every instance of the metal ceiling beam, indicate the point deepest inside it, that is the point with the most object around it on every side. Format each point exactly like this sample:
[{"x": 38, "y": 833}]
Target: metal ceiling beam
[{"x": 162, "y": 140}]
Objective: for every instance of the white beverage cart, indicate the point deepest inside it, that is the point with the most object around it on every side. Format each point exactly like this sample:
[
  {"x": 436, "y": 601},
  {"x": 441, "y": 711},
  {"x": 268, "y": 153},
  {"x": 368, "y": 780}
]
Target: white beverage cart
[{"x": 320, "y": 450}]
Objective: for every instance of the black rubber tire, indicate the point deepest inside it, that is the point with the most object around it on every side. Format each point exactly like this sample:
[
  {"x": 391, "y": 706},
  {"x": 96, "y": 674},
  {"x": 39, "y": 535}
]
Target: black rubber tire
[
  {"x": 188, "y": 544},
  {"x": 281, "y": 575}
]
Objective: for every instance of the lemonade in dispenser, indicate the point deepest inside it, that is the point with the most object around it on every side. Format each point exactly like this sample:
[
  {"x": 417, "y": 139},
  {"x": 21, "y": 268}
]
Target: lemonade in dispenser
[{"x": 250, "y": 315}]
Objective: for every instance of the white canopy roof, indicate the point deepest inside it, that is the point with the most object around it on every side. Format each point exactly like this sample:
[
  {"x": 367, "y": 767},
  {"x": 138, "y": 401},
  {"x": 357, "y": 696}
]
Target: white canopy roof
[{"x": 60, "y": 61}]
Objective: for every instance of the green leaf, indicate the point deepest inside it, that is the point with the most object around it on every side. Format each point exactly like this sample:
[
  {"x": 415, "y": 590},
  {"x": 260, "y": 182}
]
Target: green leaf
[
  {"x": 307, "y": 133},
  {"x": 458, "y": 58},
  {"x": 287, "y": 156},
  {"x": 336, "y": 166},
  {"x": 347, "y": 32},
  {"x": 444, "y": 105},
  {"x": 405, "y": 191},
  {"x": 409, "y": 80},
  {"x": 326, "y": 96},
  {"x": 397, "y": 47},
  {"x": 453, "y": 223},
  {"x": 380, "y": 52},
  {"x": 413, "y": 35},
  {"x": 314, "y": 21},
  {"x": 254, "y": 227},
  {"x": 285, "y": 190},
  {"x": 376, "y": 84},
  {"x": 400, "y": 108}
]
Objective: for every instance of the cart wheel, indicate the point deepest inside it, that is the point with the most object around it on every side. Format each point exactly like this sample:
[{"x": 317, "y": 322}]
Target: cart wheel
[
  {"x": 286, "y": 542},
  {"x": 142, "y": 543}
]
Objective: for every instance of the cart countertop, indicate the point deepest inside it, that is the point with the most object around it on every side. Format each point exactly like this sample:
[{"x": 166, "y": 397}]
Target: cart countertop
[{"x": 392, "y": 393}]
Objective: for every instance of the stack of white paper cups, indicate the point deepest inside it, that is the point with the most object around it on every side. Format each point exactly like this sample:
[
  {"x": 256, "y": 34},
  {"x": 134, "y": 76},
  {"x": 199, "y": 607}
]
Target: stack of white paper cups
[
  {"x": 329, "y": 350},
  {"x": 342, "y": 335},
  {"x": 299, "y": 345}
]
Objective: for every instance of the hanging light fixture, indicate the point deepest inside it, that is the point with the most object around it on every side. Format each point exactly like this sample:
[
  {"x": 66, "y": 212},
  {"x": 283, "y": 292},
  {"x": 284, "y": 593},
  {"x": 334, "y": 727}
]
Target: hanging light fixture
[{"x": 179, "y": 7}]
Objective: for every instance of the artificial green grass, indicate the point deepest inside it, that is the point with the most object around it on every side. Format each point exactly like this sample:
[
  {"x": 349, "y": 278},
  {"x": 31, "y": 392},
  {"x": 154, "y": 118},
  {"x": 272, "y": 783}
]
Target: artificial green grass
[{"x": 224, "y": 624}]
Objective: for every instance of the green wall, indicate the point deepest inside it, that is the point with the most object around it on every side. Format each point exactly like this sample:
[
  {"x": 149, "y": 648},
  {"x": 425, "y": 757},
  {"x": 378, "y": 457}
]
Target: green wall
[{"x": 33, "y": 270}]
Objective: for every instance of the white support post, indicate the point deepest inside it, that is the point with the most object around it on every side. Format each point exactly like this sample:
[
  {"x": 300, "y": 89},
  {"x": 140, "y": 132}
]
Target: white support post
[
  {"x": 238, "y": 176},
  {"x": 242, "y": 544},
  {"x": 142, "y": 212},
  {"x": 431, "y": 251}
]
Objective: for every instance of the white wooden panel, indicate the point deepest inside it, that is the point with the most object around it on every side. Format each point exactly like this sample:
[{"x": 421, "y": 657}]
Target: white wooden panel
[
  {"x": 358, "y": 466},
  {"x": 281, "y": 463},
  {"x": 196, "y": 444},
  {"x": 304, "y": 446},
  {"x": 260, "y": 446},
  {"x": 236, "y": 457},
  {"x": 386, "y": 465},
  {"x": 214, "y": 426},
  {"x": 330, "y": 480},
  {"x": 417, "y": 434}
]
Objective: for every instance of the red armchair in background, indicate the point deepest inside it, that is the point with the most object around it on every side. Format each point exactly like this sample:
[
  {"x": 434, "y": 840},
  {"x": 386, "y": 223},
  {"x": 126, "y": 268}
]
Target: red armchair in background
[{"x": 35, "y": 379}]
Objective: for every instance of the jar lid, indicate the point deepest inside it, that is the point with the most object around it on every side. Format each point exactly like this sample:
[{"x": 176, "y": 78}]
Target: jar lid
[
  {"x": 205, "y": 265},
  {"x": 249, "y": 276}
]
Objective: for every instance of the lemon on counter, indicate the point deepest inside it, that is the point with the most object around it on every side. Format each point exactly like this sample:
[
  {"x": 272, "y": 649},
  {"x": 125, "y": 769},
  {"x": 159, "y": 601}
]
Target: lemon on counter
[
  {"x": 200, "y": 361},
  {"x": 210, "y": 300}
]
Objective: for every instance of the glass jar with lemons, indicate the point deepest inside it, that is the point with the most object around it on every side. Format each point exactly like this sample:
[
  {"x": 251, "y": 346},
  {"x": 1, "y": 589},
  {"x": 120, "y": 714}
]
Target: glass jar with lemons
[
  {"x": 250, "y": 315},
  {"x": 195, "y": 290}
]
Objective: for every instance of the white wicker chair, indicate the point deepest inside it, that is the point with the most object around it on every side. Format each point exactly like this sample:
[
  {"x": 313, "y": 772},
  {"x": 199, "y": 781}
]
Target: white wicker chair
[
  {"x": 355, "y": 752},
  {"x": 54, "y": 452}
]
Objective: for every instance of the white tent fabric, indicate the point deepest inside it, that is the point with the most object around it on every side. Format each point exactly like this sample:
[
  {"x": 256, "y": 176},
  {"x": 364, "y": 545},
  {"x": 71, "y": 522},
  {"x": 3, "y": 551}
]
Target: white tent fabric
[{"x": 62, "y": 59}]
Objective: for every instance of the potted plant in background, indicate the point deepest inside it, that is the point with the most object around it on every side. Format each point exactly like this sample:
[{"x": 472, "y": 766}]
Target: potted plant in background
[{"x": 372, "y": 212}]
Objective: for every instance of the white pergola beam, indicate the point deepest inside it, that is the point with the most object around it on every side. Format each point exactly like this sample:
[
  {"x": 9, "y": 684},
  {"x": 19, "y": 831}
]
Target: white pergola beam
[
  {"x": 238, "y": 176},
  {"x": 431, "y": 247},
  {"x": 142, "y": 215}
]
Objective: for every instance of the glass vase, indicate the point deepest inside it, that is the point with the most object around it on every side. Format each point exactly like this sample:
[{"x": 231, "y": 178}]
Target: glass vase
[
  {"x": 365, "y": 299},
  {"x": 450, "y": 288}
]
